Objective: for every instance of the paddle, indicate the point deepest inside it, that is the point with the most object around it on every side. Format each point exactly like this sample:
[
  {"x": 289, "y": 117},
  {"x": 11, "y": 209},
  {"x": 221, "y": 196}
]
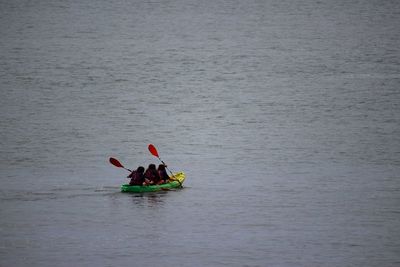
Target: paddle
[
  {"x": 118, "y": 164},
  {"x": 154, "y": 152}
]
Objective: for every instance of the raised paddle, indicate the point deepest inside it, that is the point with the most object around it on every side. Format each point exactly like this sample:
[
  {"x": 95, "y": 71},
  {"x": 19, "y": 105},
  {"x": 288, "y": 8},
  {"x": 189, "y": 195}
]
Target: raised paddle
[
  {"x": 118, "y": 164},
  {"x": 154, "y": 152}
]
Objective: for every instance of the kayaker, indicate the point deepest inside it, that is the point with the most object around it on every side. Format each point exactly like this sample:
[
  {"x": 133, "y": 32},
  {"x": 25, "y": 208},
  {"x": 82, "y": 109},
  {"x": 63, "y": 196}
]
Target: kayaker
[
  {"x": 151, "y": 176},
  {"x": 163, "y": 173},
  {"x": 137, "y": 177}
]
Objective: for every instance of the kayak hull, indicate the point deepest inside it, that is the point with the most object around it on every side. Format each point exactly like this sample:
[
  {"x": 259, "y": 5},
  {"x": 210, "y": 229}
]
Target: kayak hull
[{"x": 180, "y": 178}]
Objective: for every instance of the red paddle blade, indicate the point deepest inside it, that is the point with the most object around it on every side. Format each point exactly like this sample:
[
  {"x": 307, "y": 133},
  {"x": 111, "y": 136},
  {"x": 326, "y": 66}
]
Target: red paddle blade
[
  {"x": 116, "y": 163},
  {"x": 153, "y": 150}
]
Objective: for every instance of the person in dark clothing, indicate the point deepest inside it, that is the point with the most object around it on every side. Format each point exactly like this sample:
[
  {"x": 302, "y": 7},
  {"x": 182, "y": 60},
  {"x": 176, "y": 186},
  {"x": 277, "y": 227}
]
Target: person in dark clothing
[
  {"x": 137, "y": 177},
  {"x": 163, "y": 173},
  {"x": 151, "y": 176}
]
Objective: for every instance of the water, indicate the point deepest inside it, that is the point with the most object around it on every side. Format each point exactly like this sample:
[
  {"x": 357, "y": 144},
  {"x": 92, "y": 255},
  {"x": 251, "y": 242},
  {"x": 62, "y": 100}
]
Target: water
[{"x": 283, "y": 114}]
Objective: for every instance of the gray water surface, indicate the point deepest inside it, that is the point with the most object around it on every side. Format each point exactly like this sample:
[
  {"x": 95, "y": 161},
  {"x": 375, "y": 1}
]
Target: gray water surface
[{"x": 284, "y": 115}]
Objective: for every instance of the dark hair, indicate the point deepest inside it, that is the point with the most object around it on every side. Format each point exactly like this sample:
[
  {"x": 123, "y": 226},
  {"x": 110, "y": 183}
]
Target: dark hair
[
  {"x": 161, "y": 167},
  {"x": 152, "y": 166},
  {"x": 140, "y": 169}
]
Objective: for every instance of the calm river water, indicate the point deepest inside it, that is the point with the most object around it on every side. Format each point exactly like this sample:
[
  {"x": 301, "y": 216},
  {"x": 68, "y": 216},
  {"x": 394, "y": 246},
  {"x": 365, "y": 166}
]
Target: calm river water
[{"x": 284, "y": 115}]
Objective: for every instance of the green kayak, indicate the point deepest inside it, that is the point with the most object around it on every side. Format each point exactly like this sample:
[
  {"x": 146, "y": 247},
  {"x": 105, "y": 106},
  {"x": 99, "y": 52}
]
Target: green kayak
[{"x": 175, "y": 182}]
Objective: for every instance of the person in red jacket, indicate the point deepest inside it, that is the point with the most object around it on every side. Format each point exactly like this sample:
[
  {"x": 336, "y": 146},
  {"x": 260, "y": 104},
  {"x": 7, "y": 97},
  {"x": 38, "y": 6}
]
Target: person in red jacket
[
  {"x": 163, "y": 174},
  {"x": 137, "y": 176},
  {"x": 151, "y": 176}
]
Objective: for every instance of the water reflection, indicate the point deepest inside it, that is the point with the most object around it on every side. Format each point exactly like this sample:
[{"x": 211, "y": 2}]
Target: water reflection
[{"x": 149, "y": 199}]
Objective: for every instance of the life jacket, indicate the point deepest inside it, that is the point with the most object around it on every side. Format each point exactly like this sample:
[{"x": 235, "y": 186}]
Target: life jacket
[
  {"x": 152, "y": 176},
  {"x": 136, "y": 178},
  {"x": 163, "y": 175}
]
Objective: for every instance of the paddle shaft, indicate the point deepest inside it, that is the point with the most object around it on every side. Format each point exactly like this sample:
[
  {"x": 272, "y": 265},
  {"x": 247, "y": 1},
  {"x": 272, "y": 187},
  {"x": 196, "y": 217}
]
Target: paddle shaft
[{"x": 127, "y": 169}]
